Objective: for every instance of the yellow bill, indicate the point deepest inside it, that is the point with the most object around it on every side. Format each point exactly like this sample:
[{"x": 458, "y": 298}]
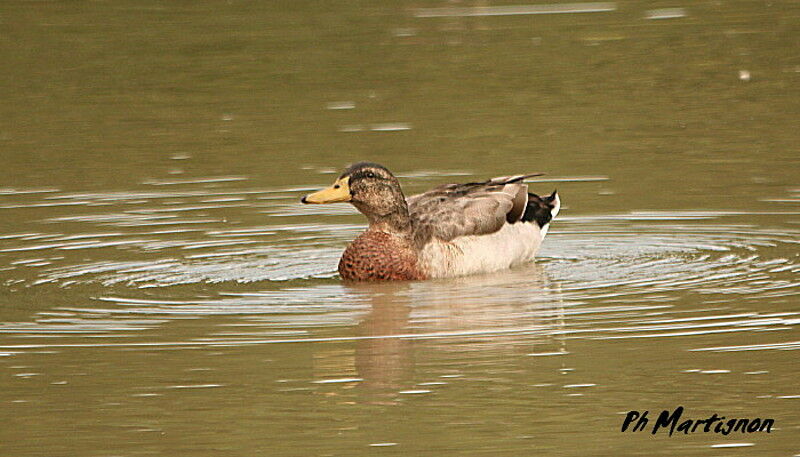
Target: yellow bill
[{"x": 338, "y": 192}]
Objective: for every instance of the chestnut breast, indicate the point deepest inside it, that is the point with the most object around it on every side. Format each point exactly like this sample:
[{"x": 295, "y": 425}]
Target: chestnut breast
[{"x": 379, "y": 256}]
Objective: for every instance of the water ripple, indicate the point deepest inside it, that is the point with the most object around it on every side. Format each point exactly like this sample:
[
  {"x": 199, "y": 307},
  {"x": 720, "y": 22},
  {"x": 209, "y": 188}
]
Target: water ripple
[{"x": 602, "y": 276}]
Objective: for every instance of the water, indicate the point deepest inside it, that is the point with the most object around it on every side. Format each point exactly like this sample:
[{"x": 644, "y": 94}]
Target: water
[{"x": 164, "y": 292}]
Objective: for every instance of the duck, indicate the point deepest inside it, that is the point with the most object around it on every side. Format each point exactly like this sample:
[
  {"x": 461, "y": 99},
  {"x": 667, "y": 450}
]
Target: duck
[{"x": 449, "y": 231}]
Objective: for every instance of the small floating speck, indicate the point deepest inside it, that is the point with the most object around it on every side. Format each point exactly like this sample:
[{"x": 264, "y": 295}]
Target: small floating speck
[
  {"x": 543, "y": 384},
  {"x": 714, "y": 371},
  {"x": 571, "y": 386},
  {"x": 27, "y": 375},
  {"x": 434, "y": 383},
  {"x": 390, "y": 127},
  {"x": 352, "y": 128},
  {"x": 195, "y": 386},
  {"x": 223, "y": 200},
  {"x": 790, "y": 345},
  {"x": 340, "y": 105},
  {"x": 744, "y": 75},
  {"x": 382, "y": 444},
  {"x": 757, "y": 372},
  {"x": 26, "y": 262},
  {"x": 339, "y": 380},
  {"x": 147, "y": 395},
  {"x": 787, "y": 397},
  {"x": 58, "y": 383},
  {"x": 415, "y": 391},
  {"x": 404, "y": 32},
  {"x": 665, "y": 13},
  {"x": 596, "y": 39},
  {"x": 515, "y": 10},
  {"x": 692, "y": 370},
  {"x": 724, "y": 445},
  {"x": 451, "y": 375},
  {"x": 566, "y": 369},
  {"x": 546, "y": 354},
  {"x": 161, "y": 182},
  {"x": 574, "y": 395},
  {"x": 227, "y": 117},
  {"x": 10, "y": 191},
  {"x": 180, "y": 156}
]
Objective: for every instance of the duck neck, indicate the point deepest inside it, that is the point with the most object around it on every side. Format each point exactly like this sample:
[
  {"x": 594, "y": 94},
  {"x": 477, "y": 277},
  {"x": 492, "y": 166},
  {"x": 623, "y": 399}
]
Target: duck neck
[
  {"x": 385, "y": 207},
  {"x": 396, "y": 223}
]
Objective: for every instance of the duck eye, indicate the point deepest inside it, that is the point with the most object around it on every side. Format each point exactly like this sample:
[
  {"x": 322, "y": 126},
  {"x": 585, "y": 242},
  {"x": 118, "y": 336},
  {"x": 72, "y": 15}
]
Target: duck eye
[
  {"x": 336, "y": 186},
  {"x": 369, "y": 174}
]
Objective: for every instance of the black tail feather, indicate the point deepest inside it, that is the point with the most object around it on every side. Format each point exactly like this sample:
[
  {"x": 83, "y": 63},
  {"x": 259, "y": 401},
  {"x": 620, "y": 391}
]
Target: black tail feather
[{"x": 540, "y": 209}]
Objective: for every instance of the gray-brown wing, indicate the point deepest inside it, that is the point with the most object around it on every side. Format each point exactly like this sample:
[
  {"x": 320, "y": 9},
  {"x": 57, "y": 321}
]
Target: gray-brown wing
[{"x": 452, "y": 210}]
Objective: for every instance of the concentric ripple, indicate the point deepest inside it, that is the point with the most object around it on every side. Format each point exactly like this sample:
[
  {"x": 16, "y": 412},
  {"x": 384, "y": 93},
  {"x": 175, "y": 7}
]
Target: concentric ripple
[{"x": 599, "y": 276}]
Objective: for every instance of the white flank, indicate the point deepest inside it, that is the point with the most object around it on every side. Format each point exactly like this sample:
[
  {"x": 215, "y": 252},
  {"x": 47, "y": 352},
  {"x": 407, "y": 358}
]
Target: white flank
[{"x": 512, "y": 245}]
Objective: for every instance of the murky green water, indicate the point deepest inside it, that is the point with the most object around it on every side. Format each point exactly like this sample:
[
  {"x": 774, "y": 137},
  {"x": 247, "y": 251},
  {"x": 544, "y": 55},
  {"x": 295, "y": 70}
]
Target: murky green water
[{"x": 164, "y": 292}]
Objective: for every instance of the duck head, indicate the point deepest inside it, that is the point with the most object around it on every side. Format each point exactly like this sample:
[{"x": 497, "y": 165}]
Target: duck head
[{"x": 371, "y": 188}]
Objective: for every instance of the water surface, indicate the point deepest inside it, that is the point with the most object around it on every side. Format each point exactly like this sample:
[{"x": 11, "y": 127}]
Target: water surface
[{"x": 164, "y": 292}]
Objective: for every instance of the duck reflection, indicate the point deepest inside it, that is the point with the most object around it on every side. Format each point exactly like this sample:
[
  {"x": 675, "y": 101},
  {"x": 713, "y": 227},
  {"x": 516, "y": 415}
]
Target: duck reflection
[
  {"x": 517, "y": 312},
  {"x": 384, "y": 352}
]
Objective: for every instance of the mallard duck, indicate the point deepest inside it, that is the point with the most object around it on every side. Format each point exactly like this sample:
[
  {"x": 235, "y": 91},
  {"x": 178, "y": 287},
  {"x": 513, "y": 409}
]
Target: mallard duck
[{"x": 451, "y": 230}]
